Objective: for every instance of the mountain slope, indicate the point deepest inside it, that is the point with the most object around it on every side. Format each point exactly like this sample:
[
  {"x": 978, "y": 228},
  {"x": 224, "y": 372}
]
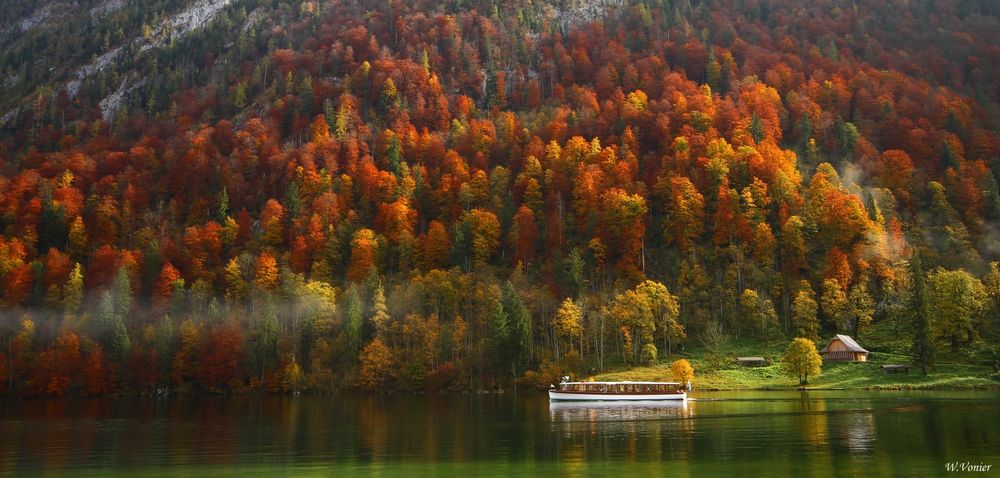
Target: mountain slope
[{"x": 415, "y": 195}]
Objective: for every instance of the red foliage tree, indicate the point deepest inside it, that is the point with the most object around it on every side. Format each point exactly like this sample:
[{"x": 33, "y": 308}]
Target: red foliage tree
[
  {"x": 96, "y": 376},
  {"x": 525, "y": 236},
  {"x": 164, "y": 287},
  {"x": 221, "y": 364},
  {"x": 18, "y": 284}
]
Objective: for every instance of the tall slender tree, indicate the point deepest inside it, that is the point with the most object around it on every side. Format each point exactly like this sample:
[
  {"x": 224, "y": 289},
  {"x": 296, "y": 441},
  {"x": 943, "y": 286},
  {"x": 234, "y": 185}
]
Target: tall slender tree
[{"x": 922, "y": 351}]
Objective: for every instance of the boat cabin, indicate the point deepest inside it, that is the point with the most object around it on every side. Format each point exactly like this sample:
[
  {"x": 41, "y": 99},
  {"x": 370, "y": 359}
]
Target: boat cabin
[
  {"x": 626, "y": 391},
  {"x": 844, "y": 349},
  {"x": 621, "y": 387}
]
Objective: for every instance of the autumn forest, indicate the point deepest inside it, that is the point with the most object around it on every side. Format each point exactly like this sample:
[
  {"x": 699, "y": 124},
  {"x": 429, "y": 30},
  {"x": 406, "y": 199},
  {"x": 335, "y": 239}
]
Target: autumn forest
[{"x": 315, "y": 196}]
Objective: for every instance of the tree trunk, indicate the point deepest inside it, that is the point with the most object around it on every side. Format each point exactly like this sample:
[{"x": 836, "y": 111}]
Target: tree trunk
[{"x": 600, "y": 360}]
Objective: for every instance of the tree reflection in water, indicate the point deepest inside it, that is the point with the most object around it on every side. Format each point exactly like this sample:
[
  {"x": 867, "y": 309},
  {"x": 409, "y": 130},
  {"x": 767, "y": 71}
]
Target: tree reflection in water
[
  {"x": 821, "y": 434},
  {"x": 647, "y": 431}
]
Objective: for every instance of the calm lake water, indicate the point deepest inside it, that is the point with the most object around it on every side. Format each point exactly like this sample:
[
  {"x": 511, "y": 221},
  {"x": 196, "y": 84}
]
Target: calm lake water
[{"x": 717, "y": 434}]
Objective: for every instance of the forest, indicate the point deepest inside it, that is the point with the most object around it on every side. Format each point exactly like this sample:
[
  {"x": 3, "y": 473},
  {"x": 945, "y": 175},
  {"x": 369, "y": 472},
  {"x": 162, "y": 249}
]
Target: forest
[{"x": 316, "y": 196}]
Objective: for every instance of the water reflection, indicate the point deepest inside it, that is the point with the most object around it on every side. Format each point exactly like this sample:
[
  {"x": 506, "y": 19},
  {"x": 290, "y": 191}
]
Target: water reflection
[
  {"x": 606, "y": 411},
  {"x": 791, "y": 434},
  {"x": 814, "y": 426},
  {"x": 648, "y": 430},
  {"x": 857, "y": 431}
]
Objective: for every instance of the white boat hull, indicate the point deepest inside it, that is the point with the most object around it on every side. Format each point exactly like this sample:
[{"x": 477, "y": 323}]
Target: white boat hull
[{"x": 578, "y": 396}]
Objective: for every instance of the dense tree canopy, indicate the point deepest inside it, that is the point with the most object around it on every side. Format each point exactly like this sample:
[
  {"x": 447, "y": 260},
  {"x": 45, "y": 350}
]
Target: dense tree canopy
[{"x": 445, "y": 195}]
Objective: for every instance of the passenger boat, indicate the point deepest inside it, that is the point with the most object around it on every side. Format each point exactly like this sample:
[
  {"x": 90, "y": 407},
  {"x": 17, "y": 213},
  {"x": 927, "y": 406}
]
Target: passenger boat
[{"x": 593, "y": 391}]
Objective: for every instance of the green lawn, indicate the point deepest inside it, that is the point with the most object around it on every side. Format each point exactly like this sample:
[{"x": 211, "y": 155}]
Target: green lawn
[{"x": 720, "y": 372}]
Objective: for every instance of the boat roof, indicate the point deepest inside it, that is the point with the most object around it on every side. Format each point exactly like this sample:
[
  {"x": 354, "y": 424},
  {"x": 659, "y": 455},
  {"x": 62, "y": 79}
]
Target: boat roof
[{"x": 623, "y": 383}]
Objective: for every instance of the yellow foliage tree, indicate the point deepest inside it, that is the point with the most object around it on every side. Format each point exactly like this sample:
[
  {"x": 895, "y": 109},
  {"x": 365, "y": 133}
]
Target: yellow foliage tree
[
  {"x": 568, "y": 322},
  {"x": 292, "y": 378},
  {"x": 485, "y": 230},
  {"x": 682, "y": 371},
  {"x": 666, "y": 311},
  {"x": 376, "y": 366},
  {"x": 802, "y": 360},
  {"x": 266, "y": 275},
  {"x": 632, "y": 312}
]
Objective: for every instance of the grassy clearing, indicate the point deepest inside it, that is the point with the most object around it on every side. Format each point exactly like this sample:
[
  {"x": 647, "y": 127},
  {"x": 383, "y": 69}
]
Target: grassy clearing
[
  {"x": 720, "y": 372},
  {"x": 835, "y": 376}
]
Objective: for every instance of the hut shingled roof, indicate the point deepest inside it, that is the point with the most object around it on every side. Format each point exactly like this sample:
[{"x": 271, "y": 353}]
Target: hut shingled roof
[{"x": 848, "y": 342}]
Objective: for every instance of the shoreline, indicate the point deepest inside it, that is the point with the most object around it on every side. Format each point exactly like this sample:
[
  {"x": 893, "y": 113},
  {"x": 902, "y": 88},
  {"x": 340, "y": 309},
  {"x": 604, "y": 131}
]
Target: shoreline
[
  {"x": 902, "y": 388},
  {"x": 867, "y": 376},
  {"x": 963, "y": 384}
]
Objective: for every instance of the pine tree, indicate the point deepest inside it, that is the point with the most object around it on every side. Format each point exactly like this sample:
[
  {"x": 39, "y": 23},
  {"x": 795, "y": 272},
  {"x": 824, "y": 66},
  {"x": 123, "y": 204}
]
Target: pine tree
[
  {"x": 121, "y": 289},
  {"x": 949, "y": 160},
  {"x": 223, "y": 212},
  {"x": 166, "y": 344},
  {"x": 922, "y": 350},
  {"x": 498, "y": 330},
  {"x": 713, "y": 72},
  {"x": 519, "y": 323},
  {"x": 264, "y": 345},
  {"x": 756, "y": 128},
  {"x": 352, "y": 324},
  {"x": 112, "y": 332},
  {"x": 52, "y": 230},
  {"x": 240, "y": 97}
]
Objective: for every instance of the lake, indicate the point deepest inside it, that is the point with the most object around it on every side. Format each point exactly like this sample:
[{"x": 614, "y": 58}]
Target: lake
[{"x": 842, "y": 433}]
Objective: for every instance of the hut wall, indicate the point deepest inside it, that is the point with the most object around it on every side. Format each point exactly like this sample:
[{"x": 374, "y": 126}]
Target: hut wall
[{"x": 845, "y": 356}]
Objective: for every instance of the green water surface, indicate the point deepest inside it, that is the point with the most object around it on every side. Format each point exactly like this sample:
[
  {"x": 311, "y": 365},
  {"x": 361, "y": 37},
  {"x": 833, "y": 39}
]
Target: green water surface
[{"x": 729, "y": 434}]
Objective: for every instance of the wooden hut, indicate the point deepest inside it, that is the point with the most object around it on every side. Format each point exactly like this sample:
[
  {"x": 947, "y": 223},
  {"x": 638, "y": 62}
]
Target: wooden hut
[{"x": 844, "y": 349}]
